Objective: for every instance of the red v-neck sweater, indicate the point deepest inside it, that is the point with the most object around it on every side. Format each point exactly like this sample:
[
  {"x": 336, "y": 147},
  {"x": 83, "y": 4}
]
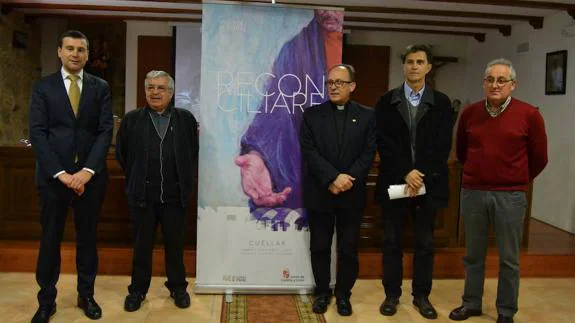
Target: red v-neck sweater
[{"x": 502, "y": 153}]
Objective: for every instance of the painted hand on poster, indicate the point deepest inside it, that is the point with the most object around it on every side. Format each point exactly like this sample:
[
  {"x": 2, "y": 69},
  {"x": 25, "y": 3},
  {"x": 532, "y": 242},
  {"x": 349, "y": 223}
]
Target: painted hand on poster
[
  {"x": 257, "y": 182},
  {"x": 270, "y": 156}
]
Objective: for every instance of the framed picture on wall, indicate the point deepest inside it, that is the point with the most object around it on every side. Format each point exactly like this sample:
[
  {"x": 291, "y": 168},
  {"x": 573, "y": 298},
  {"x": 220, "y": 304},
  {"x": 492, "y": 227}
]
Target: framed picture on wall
[{"x": 556, "y": 72}]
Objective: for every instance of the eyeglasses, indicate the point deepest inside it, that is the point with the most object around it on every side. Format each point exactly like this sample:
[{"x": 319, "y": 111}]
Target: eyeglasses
[
  {"x": 499, "y": 81},
  {"x": 159, "y": 88},
  {"x": 337, "y": 83}
]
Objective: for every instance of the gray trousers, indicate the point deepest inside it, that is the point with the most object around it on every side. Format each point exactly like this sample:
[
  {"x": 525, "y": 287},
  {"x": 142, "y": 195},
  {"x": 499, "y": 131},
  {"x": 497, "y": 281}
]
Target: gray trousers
[{"x": 506, "y": 210}]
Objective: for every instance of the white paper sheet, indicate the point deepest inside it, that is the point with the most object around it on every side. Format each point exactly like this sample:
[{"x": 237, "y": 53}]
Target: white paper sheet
[{"x": 398, "y": 191}]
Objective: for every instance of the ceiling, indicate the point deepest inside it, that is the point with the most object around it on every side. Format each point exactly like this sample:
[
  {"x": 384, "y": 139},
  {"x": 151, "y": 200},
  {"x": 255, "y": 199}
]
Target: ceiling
[{"x": 468, "y": 18}]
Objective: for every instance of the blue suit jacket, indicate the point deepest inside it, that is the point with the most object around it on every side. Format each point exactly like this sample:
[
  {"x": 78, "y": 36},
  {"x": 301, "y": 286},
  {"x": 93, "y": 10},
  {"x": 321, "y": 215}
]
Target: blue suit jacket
[{"x": 57, "y": 136}]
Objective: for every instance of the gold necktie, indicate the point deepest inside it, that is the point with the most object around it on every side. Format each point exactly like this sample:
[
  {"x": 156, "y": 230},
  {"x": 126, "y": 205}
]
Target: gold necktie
[{"x": 74, "y": 93}]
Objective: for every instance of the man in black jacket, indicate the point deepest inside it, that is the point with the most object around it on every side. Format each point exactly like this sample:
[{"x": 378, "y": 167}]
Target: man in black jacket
[
  {"x": 157, "y": 147},
  {"x": 414, "y": 126},
  {"x": 338, "y": 145}
]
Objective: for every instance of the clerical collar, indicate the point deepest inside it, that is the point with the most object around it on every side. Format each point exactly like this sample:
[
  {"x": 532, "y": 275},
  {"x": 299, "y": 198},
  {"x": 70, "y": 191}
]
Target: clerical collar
[
  {"x": 494, "y": 112},
  {"x": 339, "y": 107}
]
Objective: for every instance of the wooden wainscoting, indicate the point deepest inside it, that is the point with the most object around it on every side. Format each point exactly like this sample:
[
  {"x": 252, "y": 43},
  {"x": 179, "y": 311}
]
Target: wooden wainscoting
[
  {"x": 20, "y": 256},
  {"x": 446, "y": 222},
  {"x": 20, "y": 227},
  {"x": 19, "y": 206}
]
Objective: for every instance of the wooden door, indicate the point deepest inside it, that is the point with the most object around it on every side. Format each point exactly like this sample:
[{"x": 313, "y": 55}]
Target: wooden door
[
  {"x": 371, "y": 65},
  {"x": 154, "y": 53}
]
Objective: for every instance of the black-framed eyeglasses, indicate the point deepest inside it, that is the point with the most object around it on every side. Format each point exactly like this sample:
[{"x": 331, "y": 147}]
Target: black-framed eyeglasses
[
  {"x": 500, "y": 81},
  {"x": 337, "y": 83}
]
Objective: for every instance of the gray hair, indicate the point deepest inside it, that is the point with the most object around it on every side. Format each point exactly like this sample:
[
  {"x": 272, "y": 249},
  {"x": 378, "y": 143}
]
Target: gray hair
[
  {"x": 502, "y": 61},
  {"x": 157, "y": 74}
]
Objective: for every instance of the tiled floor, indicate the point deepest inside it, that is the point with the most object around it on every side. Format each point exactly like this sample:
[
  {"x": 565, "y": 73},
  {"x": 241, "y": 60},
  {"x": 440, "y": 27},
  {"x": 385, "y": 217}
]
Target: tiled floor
[{"x": 541, "y": 300}]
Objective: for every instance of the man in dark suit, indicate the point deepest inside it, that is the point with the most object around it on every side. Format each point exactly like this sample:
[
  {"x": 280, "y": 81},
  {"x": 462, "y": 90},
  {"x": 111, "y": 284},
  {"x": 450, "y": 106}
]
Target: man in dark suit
[
  {"x": 157, "y": 147},
  {"x": 71, "y": 128},
  {"x": 414, "y": 126},
  {"x": 338, "y": 145}
]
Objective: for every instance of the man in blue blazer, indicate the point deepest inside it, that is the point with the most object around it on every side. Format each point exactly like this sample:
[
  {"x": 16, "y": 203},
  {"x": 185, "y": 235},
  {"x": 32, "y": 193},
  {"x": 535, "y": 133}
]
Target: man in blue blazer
[
  {"x": 71, "y": 128},
  {"x": 338, "y": 144}
]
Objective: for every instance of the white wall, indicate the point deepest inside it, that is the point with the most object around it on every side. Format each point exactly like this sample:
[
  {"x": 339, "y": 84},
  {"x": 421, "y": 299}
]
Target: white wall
[
  {"x": 554, "y": 189},
  {"x": 448, "y": 77},
  {"x": 133, "y": 30}
]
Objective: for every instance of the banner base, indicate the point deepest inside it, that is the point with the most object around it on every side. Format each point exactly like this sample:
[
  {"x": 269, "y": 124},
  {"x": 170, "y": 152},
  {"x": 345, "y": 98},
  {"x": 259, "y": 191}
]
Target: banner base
[
  {"x": 304, "y": 299},
  {"x": 253, "y": 289}
]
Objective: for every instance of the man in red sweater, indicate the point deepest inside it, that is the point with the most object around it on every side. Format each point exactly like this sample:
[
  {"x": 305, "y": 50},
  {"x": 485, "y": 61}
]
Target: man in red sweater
[{"x": 502, "y": 145}]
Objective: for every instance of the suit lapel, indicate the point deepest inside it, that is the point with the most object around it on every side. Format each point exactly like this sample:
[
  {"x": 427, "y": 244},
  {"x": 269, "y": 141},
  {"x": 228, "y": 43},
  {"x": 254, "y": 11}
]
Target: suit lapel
[
  {"x": 427, "y": 101},
  {"x": 85, "y": 96},
  {"x": 397, "y": 100}
]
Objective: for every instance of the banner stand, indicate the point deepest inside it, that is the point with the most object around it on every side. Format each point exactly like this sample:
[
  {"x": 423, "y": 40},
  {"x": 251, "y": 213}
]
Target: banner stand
[{"x": 252, "y": 229}]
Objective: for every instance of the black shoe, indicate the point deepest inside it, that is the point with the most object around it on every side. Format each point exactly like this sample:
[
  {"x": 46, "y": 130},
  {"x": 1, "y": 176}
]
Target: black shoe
[
  {"x": 389, "y": 306},
  {"x": 91, "y": 309},
  {"x": 343, "y": 307},
  {"x": 425, "y": 308},
  {"x": 44, "y": 313},
  {"x": 181, "y": 298},
  {"x": 320, "y": 304},
  {"x": 504, "y": 319},
  {"x": 133, "y": 302},
  {"x": 463, "y": 313}
]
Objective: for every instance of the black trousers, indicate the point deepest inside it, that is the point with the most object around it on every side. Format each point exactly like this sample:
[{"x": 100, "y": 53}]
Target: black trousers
[
  {"x": 173, "y": 218},
  {"x": 55, "y": 200},
  {"x": 394, "y": 218},
  {"x": 321, "y": 224}
]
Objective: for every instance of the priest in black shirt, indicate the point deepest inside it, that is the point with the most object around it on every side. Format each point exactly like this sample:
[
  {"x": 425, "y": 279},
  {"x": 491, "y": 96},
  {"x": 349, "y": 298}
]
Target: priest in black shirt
[{"x": 338, "y": 145}]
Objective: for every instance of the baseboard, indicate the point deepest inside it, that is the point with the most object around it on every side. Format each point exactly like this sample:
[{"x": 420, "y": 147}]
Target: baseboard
[{"x": 20, "y": 256}]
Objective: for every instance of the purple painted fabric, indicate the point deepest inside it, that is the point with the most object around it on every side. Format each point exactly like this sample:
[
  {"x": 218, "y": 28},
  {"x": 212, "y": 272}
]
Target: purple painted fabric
[{"x": 274, "y": 132}]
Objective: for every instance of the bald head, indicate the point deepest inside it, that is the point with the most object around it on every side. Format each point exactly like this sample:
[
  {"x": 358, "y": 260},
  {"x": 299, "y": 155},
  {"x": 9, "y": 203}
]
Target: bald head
[{"x": 347, "y": 68}]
